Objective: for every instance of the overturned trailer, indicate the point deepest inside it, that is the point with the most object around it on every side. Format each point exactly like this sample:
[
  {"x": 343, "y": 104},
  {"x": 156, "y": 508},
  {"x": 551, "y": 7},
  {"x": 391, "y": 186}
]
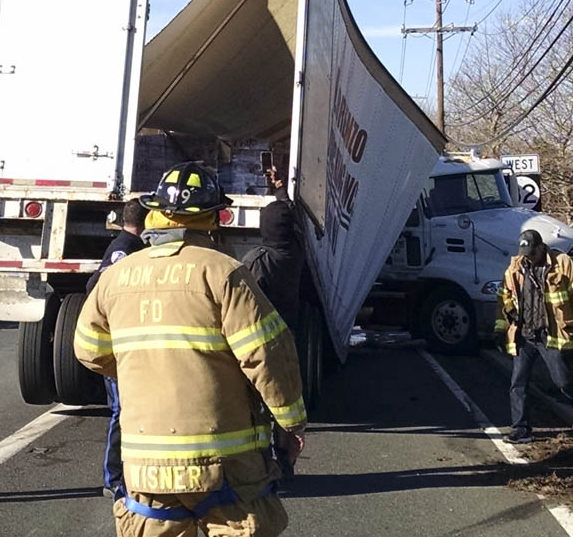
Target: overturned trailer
[{"x": 223, "y": 82}]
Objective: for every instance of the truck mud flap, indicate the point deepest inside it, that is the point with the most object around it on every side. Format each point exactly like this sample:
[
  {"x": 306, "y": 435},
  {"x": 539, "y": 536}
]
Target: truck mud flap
[{"x": 22, "y": 297}]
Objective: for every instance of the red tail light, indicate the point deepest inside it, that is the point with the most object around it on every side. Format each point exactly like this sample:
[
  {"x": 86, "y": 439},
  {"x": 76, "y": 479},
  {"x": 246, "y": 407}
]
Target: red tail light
[
  {"x": 226, "y": 217},
  {"x": 33, "y": 209}
]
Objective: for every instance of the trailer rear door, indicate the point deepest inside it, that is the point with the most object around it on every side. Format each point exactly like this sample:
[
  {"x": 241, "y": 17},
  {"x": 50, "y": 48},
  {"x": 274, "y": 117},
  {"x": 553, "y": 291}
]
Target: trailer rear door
[{"x": 364, "y": 151}]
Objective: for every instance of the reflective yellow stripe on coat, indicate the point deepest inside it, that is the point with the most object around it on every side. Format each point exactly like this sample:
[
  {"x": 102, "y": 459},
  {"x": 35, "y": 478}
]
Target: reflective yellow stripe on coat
[
  {"x": 93, "y": 341},
  {"x": 139, "y": 446},
  {"x": 168, "y": 337},
  {"x": 559, "y": 343},
  {"x": 558, "y": 297},
  {"x": 290, "y": 415},
  {"x": 256, "y": 335}
]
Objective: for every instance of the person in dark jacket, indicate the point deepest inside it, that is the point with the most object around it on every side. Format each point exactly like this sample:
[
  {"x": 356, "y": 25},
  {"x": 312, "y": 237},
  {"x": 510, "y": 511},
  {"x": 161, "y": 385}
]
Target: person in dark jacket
[
  {"x": 534, "y": 316},
  {"x": 127, "y": 242},
  {"x": 277, "y": 264},
  {"x": 277, "y": 269}
]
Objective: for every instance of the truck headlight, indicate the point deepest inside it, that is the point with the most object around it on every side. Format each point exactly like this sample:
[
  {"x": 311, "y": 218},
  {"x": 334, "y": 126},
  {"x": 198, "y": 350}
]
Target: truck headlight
[{"x": 491, "y": 288}]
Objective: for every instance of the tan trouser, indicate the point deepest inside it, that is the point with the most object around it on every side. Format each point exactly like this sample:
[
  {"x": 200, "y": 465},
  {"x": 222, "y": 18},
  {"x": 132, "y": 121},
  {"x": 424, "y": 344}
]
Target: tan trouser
[{"x": 263, "y": 517}]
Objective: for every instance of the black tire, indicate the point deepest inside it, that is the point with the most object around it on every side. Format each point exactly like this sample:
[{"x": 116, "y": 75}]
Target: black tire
[
  {"x": 321, "y": 333},
  {"x": 311, "y": 354},
  {"x": 305, "y": 353},
  {"x": 448, "y": 322},
  {"x": 35, "y": 356},
  {"x": 75, "y": 384}
]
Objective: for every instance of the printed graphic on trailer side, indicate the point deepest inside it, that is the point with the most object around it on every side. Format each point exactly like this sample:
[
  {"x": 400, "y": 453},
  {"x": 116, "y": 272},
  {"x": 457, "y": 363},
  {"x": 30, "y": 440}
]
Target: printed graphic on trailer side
[{"x": 342, "y": 186}]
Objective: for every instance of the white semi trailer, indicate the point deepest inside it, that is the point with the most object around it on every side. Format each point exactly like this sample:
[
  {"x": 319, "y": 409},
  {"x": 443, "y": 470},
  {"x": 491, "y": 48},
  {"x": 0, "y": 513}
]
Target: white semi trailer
[{"x": 92, "y": 117}]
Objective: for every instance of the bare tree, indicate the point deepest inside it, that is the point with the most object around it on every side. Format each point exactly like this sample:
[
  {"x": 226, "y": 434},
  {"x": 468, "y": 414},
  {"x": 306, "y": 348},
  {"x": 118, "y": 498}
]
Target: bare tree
[{"x": 514, "y": 93}]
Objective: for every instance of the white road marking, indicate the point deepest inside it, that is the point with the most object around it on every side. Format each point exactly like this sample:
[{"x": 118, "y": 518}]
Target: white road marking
[
  {"x": 33, "y": 430},
  {"x": 564, "y": 516},
  {"x": 509, "y": 451},
  {"x": 561, "y": 513}
]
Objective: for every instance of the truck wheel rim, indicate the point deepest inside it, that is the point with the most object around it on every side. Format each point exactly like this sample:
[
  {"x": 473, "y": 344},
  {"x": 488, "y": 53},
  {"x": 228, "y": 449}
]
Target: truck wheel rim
[{"x": 450, "y": 322}]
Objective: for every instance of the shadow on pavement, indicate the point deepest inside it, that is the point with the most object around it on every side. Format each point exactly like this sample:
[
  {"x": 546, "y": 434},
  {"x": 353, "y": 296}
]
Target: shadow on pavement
[
  {"x": 374, "y": 428},
  {"x": 85, "y": 412},
  {"x": 43, "y": 495},
  {"x": 486, "y": 475}
]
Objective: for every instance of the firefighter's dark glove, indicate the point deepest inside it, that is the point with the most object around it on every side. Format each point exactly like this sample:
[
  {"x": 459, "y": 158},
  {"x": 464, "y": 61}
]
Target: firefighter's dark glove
[
  {"x": 288, "y": 447},
  {"x": 287, "y": 468}
]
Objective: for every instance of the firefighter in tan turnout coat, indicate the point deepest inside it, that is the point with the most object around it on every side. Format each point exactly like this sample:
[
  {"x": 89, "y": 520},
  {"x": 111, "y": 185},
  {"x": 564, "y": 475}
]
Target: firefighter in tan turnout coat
[
  {"x": 535, "y": 320},
  {"x": 204, "y": 363}
]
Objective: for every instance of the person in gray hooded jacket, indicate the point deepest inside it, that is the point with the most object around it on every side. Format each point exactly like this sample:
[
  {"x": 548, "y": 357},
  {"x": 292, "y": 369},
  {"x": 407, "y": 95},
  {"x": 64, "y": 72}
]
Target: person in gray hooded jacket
[{"x": 277, "y": 263}]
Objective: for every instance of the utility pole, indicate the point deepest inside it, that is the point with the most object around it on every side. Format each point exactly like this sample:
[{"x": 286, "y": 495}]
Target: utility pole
[
  {"x": 439, "y": 30},
  {"x": 440, "y": 67}
]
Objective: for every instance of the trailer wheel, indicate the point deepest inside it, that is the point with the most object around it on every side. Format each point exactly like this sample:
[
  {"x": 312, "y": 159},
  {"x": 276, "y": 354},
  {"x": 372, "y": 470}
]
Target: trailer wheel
[
  {"x": 35, "y": 356},
  {"x": 75, "y": 384},
  {"x": 305, "y": 354},
  {"x": 448, "y": 322},
  {"x": 311, "y": 354},
  {"x": 319, "y": 355}
]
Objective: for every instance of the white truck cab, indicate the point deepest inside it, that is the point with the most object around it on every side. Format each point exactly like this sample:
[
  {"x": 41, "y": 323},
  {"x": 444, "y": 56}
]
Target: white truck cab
[{"x": 446, "y": 267}]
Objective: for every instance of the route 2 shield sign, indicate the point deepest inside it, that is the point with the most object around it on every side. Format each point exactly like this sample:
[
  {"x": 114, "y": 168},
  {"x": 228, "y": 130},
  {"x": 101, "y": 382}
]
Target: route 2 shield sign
[
  {"x": 527, "y": 175},
  {"x": 529, "y": 192}
]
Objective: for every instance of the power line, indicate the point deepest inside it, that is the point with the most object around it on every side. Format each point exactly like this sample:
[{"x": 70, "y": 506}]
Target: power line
[
  {"x": 514, "y": 24},
  {"x": 403, "y": 58},
  {"x": 431, "y": 73},
  {"x": 503, "y": 98},
  {"x": 470, "y": 4},
  {"x": 463, "y": 59},
  {"x": 491, "y": 11},
  {"x": 507, "y": 90},
  {"x": 550, "y": 89},
  {"x": 503, "y": 94},
  {"x": 445, "y": 6}
]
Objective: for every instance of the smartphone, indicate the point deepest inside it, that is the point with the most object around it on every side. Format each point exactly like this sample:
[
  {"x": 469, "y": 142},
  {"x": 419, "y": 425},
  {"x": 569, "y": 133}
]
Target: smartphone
[{"x": 266, "y": 161}]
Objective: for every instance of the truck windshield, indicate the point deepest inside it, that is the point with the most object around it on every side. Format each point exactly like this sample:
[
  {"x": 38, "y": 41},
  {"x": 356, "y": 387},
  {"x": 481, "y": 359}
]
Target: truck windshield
[{"x": 465, "y": 193}]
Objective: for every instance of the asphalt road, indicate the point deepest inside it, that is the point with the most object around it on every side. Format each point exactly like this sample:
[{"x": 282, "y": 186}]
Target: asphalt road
[{"x": 390, "y": 451}]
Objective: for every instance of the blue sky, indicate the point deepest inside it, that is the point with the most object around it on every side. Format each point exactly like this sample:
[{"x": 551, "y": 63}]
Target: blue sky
[{"x": 381, "y": 20}]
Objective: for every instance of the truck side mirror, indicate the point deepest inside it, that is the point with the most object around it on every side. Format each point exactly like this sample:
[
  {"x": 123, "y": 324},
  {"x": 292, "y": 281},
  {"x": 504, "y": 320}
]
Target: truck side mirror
[{"x": 413, "y": 219}]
